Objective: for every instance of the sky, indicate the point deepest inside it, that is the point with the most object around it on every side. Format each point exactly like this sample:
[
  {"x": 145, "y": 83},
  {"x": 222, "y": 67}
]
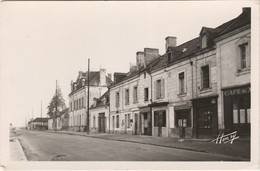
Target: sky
[{"x": 41, "y": 42}]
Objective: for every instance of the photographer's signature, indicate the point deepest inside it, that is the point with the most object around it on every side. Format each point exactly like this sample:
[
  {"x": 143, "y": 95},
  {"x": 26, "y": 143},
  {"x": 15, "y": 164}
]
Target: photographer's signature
[{"x": 226, "y": 138}]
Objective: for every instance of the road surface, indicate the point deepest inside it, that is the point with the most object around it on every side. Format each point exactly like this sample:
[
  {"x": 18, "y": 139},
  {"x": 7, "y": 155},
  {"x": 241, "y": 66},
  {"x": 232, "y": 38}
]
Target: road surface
[{"x": 49, "y": 146}]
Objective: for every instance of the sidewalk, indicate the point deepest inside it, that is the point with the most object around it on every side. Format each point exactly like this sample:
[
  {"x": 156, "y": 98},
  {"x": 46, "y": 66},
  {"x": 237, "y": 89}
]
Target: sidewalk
[
  {"x": 16, "y": 150},
  {"x": 240, "y": 147}
]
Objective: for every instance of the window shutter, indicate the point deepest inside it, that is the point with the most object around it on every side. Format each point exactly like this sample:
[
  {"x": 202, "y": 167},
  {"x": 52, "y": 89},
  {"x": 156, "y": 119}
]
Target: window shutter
[
  {"x": 162, "y": 88},
  {"x": 247, "y": 56},
  {"x": 155, "y": 92}
]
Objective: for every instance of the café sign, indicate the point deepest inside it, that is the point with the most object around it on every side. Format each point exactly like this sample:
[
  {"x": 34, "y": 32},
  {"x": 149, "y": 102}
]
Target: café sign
[{"x": 237, "y": 91}]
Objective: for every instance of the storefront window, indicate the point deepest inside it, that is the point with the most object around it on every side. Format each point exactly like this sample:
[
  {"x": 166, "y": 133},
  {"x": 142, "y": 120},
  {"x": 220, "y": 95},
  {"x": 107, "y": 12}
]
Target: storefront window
[
  {"x": 241, "y": 110},
  {"x": 183, "y": 118},
  {"x": 160, "y": 119}
]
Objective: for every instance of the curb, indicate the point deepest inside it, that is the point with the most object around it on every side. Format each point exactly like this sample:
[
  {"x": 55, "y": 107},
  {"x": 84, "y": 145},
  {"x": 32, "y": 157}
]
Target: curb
[{"x": 145, "y": 143}]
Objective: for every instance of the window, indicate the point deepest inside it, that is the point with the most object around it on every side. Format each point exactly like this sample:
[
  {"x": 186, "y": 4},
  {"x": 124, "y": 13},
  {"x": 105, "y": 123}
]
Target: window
[
  {"x": 117, "y": 121},
  {"x": 135, "y": 95},
  {"x": 205, "y": 76},
  {"x": 241, "y": 109},
  {"x": 80, "y": 103},
  {"x": 182, "y": 118},
  {"x": 204, "y": 41},
  {"x": 117, "y": 99},
  {"x": 181, "y": 83},
  {"x": 70, "y": 106},
  {"x": 160, "y": 119},
  {"x": 244, "y": 56},
  {"x": 127, "y": 96},
  {"x": 76, "y": 104},
  {"x": 159, "y": 89},
  {"x": 113, "y": 121},
  {"x": 146, "y": 94},
  {"x": 94, "y": 121}
]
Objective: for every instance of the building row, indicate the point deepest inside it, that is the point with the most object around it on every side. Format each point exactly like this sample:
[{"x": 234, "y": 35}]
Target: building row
[{"x": 197, "y": 89}]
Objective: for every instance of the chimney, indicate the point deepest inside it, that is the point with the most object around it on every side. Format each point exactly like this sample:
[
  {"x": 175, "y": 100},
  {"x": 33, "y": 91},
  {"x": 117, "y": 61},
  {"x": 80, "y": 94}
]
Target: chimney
[
  {"x": 109, "y": 75},
  {"x": 102, "y": 77},
  {"x": 140, "y": 59},
  {"x": 150, "y": 54},
  {"x": 80, "y": 74},
  {"x": 132, "y": 67},
  {"x": 170, "y": 42}
]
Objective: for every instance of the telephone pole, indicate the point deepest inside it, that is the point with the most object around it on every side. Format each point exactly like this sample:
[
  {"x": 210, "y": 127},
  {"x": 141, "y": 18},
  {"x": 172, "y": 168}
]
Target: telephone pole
[{"x": 88, "y": 99}]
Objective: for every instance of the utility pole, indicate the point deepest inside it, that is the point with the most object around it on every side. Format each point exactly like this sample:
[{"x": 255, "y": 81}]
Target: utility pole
[
  {"x": 88, "y": 99},
  {"x": 56, "y": 101}
]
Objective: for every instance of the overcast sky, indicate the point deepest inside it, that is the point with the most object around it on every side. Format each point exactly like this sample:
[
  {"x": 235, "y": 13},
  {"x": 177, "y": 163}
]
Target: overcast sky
[{"x": 44, "y": 41}]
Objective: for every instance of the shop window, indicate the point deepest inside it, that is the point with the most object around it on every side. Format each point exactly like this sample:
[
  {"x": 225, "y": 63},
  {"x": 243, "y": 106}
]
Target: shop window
[
  {"x": 117, "y": 121},
  {"x": 182, "y": 118},
  {"x": 135, "y": 95},
  {"x": 205, "y": 76},
  {"x": 181, "y": 83},
  {"x": 241, "y": 110},
  {"x": 117, "y": 99},
  {"x": 146, "y": 94},
  {"x": 160, "y": 119},
  {"x": 127, "y": 96}
]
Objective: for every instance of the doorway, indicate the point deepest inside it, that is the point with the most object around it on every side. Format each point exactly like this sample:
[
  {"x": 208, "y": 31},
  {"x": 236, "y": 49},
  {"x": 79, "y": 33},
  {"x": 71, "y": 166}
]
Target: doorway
[{"x": 101, "y": 123}]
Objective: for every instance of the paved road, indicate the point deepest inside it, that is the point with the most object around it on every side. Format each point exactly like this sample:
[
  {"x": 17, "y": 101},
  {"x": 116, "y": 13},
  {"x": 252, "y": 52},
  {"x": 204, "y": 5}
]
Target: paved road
[{"x": 47, "y": 146}]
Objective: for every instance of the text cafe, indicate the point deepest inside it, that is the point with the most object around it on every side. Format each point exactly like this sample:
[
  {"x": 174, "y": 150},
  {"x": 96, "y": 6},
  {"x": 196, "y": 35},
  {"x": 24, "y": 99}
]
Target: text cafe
[{"x": 237, "y": 109}]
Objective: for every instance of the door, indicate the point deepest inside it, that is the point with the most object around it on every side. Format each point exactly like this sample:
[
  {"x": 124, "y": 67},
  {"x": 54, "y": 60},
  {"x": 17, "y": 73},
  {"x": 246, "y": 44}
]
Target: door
[
  {"x": 206, "y": 121},
  {"x": 145, "y": 125},
  {"x": 182, "y": 123},
  {"x": 101, "y": 123},
  {"x": 136, "y": 124}
]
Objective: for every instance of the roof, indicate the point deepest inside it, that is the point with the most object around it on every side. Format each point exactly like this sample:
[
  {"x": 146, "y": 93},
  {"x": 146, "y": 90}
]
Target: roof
[
  {"x": 94, "y": 79},
  {"x": 102, "y": 101},
  {"x": 63, "y": 112},
  {"x": 40, "y": 120},
  {"x": 193, "y": 46},
  {"x": 242, "y": 20}
]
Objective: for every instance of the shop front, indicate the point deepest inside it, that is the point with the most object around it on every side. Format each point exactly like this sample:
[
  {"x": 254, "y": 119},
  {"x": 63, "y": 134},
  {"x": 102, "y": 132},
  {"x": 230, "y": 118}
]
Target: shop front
[
  {"x": 205, "y": 118},
  {"x": 146, "y": 120},
  {"x": 237, "y": 110},
  {"x": 159, "y": 115}
]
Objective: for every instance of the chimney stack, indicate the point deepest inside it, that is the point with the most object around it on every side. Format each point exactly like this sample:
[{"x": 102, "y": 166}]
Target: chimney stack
[
  {"x": 150, "y": 54},
  {"x": 170, "y": 42},
  {"x": 102, "y": 77},
  {"x": 140, "y": 59}
]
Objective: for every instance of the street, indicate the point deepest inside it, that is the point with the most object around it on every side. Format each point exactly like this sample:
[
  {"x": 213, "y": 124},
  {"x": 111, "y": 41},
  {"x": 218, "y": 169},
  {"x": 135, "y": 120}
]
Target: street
[{"x": 49, "y": 146}]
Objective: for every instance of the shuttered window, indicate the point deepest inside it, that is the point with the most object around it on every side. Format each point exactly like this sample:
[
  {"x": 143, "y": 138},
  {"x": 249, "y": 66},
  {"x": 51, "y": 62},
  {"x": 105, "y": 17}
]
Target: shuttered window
[
  {"x": 159, "y": 89},
  {"x": 205, "y": 76}
]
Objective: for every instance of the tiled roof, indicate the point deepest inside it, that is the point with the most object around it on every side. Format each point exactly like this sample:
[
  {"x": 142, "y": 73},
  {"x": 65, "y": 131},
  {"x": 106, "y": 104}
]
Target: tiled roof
[
  {"x": 242, "y": 20},
  {"x": 40, "y": 120}
]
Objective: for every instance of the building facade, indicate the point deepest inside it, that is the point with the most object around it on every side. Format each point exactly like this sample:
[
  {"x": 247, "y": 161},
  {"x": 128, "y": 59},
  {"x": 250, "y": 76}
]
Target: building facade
[
  {"x": 196, "y": 89},
  {"x": 98, "y": 83},
  {"x": 99, "y": 114}
]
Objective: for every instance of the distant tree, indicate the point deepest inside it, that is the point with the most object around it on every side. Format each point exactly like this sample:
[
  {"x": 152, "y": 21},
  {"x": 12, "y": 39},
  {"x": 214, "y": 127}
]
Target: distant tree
[{"x": 56, "y": 99}]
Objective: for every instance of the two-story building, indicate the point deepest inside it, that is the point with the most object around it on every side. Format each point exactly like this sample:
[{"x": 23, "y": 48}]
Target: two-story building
[{"x": 98, "y": 85}]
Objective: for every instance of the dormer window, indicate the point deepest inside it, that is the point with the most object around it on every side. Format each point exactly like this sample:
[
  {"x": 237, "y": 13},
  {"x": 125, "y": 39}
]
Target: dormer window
[
  {"x": 83, "y": 82},
  {"x": 204, "y": 41}
]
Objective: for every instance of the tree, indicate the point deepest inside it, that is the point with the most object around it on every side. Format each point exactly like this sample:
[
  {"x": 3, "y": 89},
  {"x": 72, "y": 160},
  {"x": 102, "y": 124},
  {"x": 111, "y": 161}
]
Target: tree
[{"x": 56, "y": 100}]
